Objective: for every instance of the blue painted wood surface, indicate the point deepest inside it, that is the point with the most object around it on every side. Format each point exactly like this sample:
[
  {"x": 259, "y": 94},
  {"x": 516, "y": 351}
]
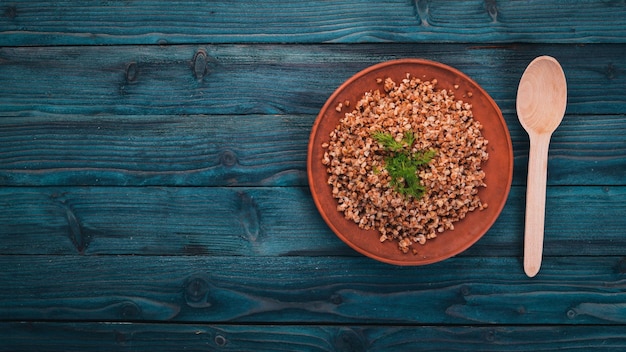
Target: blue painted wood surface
[
  {"x": 153, "y": 191},
  {"x": 280, "y": 21},
  {"x": 253, "y": 337}
]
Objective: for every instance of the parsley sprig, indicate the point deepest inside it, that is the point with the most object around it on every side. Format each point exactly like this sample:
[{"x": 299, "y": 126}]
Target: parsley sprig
[{"x": 402, "y": 164}]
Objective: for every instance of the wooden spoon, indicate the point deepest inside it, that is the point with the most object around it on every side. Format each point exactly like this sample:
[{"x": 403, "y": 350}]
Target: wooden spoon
[{"x": 541, "y": 101}]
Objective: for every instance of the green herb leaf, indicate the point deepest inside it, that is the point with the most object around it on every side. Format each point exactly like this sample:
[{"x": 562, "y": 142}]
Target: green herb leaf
[
  {"x": 409, "y": 138},
  {"x": 403, "y": 165},
  {"x": 387, "y": 141}
]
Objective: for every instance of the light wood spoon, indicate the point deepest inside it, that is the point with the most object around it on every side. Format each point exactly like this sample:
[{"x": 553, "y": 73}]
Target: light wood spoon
[{"x": 541, "y": 101}]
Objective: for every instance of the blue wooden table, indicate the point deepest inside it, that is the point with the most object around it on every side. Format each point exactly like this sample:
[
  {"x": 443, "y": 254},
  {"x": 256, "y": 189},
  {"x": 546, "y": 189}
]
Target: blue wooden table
[{"x": 153, "y": 191}]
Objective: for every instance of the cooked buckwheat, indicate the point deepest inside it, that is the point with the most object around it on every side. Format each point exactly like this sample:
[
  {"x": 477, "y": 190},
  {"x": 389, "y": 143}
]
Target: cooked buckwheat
[{"x": 362, "y": 185}]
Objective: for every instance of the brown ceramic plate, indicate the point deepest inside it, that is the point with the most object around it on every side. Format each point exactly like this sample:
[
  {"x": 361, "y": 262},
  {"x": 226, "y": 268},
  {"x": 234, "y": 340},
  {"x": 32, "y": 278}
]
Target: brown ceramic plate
[{"x": 498, "y": 169}]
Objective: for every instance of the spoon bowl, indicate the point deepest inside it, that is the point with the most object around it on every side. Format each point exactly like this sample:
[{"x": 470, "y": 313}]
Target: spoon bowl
[
  {"x": 542, "y": 95},
  {"x": 541, "y": 102}
]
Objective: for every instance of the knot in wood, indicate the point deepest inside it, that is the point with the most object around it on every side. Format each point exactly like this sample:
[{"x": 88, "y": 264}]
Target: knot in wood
[
  {"x": 465, "y": 290},
  {"x": 349, "y": 340},
  {"x": 492, "y": 9},
  {"x": 249, "y": 216},
  {"x": 132, "y": 71},
  {"x": 201, "y": 64},
  {"x": 10, "y": 12},
  {"x": 197, "y": 293},
  {"x": 571, "y": 314},
  {"x": 79, "y": 238},
  {"x": 130, "y": 310},
  {"x": 228, "y": 158},
  {"x": 610, "y": 71},
  {"x": 336, "y": 299},
  {"x": 220, "y": 340},
  {"x": 421, "y": 9}
]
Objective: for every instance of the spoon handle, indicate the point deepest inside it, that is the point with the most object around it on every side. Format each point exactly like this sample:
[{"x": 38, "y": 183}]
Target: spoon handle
[{"x": 535, "y": 202}]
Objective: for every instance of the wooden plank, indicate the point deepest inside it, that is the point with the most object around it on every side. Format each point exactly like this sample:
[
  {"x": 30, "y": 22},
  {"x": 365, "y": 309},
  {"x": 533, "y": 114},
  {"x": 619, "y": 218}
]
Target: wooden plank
[
  {"x": 198, "y": 150},
  {"x": 259, "y": 222},
  {"x": 252, "y": 150},
  {"x": 273, "y": 79},
  {"x": 316, "y": 290},
  {"x": 49, "y": 337},
  {"x": 591, "y": 147},
  {"x": 283, "y": 21}
]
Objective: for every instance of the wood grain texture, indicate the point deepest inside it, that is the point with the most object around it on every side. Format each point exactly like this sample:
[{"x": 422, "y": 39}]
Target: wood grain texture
[
  {"x": 246, "y": 150},
  {"x": 257, "y": 222},
  {"x": 273, "y": 79},
  {"x": 139, "y": 337},
  {"x": 316, "y": 290},
  {"x": 198, "y": 150},
  {"x": 279, "y": 21},
  {"x": 153, "y": 192}
]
